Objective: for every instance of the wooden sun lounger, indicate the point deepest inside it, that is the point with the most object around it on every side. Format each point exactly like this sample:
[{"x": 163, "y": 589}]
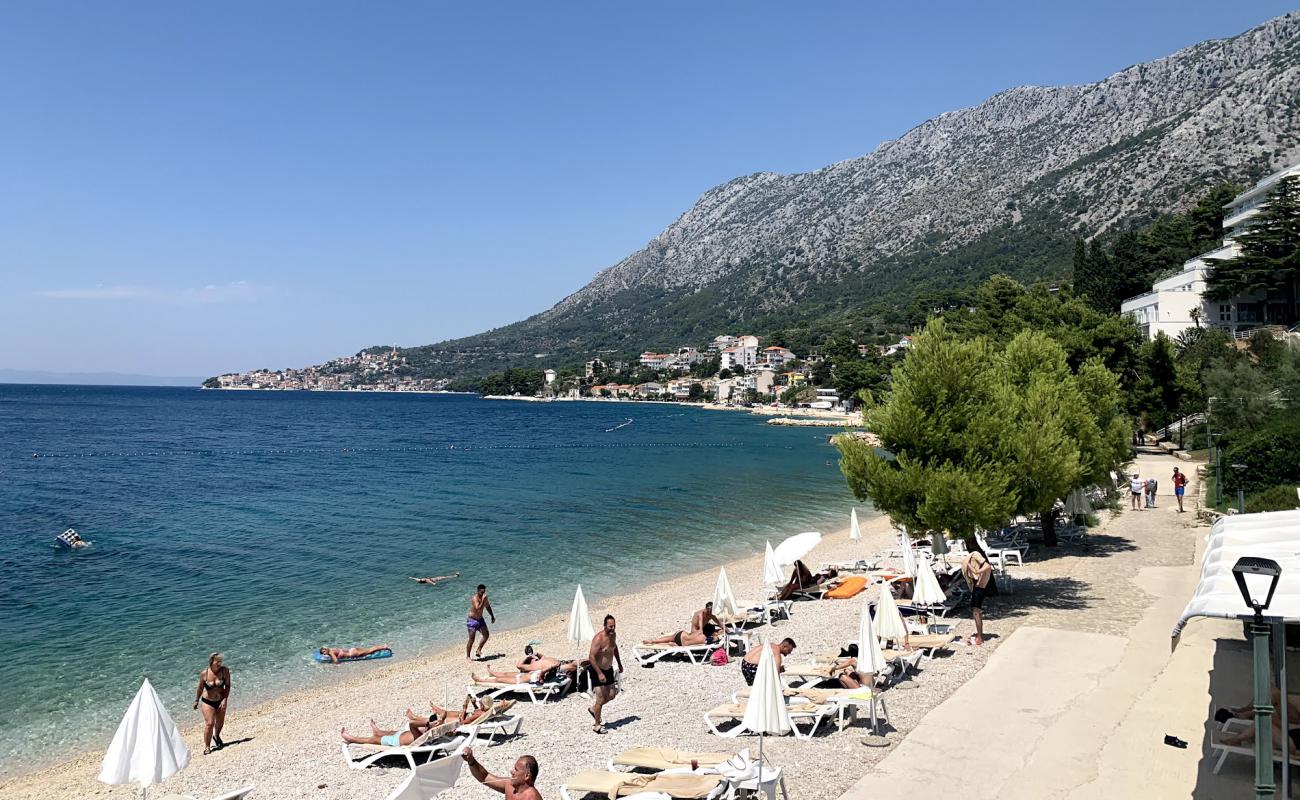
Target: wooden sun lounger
[
  {"x": 646, "y": 654},
  {"x": 619, "y": 784}
]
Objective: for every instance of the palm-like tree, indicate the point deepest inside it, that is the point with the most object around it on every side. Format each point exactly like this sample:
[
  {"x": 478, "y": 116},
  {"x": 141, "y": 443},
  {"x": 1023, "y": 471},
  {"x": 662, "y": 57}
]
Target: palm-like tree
[{"x": 1196, "y": 316}]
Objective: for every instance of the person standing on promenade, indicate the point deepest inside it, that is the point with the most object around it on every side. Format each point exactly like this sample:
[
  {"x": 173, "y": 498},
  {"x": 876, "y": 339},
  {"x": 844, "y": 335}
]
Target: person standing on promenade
[
  {"x": 978, "y": 572},
  {"x": 478, "y": 603},
  {"x": 1180, "y": 486},
  {"x": 600, "y": 671},
  {"x": 522, "y": 783},
  {"x": 1151, "y": 492},
  {"x": 1136, "y": 489},
  {"x": 214, "y": 693}
]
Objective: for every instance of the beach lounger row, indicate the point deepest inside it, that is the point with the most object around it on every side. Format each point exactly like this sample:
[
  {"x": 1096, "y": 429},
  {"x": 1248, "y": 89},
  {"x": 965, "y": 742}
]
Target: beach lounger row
[
  {"x": 238, "y": 794},
  {"x": 677, "y": 785},
  {"x": 808, "y": 715},
  {"x": 733, "y": 775}
]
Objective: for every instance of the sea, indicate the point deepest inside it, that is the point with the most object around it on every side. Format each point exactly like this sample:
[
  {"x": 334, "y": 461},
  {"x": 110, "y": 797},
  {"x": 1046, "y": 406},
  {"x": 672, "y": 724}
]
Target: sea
[{"x": 266, "y": 524}]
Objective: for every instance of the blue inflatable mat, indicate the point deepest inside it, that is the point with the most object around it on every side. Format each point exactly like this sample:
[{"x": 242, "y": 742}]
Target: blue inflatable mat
[{"x": 324, "y": 659}]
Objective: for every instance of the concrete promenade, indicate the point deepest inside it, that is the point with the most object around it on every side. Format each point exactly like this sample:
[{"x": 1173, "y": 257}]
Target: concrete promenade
[{"x": 1072, "y": 707}]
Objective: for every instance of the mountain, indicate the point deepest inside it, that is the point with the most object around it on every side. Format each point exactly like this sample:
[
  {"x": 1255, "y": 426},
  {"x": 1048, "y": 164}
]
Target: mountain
[
  {"x": 1005, "y": 186},
  {"x": 93, "y": 378}
]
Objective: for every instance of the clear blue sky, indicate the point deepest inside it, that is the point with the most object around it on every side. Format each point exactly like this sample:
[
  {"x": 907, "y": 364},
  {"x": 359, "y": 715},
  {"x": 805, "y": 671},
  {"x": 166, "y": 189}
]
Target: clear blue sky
[{"x": 191, "y": 188}]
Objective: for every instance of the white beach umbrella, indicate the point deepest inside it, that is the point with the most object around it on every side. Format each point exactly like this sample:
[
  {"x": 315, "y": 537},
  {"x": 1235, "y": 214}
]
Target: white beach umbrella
[
  {"x": 766, "y": 712},
  {"x": 855, "y": 533},
  {"x": 147, "y": 748},
  {"x": 870, "y": 656},
  {"x": 772, "y": 573},
  {"x": 724, "y": 602},
  {"x": 796, "y": 547},
  {"x": 580, "y": 628},
  {"x": 909, "y": 557},
  {"x": 926, "y": 590},
  {"x": 889, "y": 621}
]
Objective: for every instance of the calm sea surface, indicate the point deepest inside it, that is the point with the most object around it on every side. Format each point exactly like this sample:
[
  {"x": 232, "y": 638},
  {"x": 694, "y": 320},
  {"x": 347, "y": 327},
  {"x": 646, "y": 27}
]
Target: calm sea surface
[{"x": 266, "y": 524}]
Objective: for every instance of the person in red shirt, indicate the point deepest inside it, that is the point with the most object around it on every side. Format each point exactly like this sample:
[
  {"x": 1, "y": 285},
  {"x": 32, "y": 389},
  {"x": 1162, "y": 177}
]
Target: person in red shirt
[{"x": 1180, "y": 486}]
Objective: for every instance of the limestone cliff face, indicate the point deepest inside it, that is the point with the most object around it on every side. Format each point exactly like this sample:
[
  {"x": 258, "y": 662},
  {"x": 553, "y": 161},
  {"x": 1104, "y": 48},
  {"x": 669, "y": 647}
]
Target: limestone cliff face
[{"x": 1132, "y": 143}]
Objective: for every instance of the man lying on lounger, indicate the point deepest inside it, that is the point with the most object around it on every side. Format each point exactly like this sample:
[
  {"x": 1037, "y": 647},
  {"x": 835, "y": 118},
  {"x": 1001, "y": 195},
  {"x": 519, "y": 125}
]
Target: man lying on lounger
[
  {"x": 535, "y": 668},
  {"x": 704, "y": 630},
  {"x": 471, "y": 711}
]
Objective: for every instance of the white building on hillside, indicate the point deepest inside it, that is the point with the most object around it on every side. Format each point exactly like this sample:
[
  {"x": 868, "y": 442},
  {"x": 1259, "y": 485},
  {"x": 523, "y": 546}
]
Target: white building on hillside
[{"x": 1177, "y": 302}]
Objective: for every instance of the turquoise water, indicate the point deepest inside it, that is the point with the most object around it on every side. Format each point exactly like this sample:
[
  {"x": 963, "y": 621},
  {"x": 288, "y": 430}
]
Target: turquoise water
[{"x": 266, "y": 524}]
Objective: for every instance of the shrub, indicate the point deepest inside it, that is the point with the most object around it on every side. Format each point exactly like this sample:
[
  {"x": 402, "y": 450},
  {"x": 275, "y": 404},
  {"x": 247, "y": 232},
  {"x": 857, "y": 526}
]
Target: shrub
[
  {"x": 1271, "y": 455},
  {"x": 1276, "y": 498}
]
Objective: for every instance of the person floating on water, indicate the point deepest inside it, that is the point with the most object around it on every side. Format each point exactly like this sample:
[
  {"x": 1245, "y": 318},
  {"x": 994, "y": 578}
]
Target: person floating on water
[
  {"x": 434, "y": 581},
  {"x": 71, "y": 540},
  {"x": 335, "y": 654},
  {"x": 478, "y": 603}
]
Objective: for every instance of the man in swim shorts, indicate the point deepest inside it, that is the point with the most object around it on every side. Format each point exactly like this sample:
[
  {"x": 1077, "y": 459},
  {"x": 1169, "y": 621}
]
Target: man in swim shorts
[
  {"x": 474, "y": 623},
  {"x": 600, "y": 671},
  {"x": 978, "y": 572},
  {"x": 707, "y": 623},
  {"x": 749, "y": 664}
]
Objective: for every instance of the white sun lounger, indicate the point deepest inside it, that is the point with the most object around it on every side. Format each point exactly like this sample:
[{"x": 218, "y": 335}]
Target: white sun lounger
[
  {"x": 646, "y": 654},
  {"x": 671, "y": 783},
  {"x": 238, "y": 794},
  {"x": 810, "y": 714},
  {"x": 506, "y": 725},
  {"x": 432, "y": 742},
  {"x": 1225, "y": 750},
  {"x": 537, "y": 692}
]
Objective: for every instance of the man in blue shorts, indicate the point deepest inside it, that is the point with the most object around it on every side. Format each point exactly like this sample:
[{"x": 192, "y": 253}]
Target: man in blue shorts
[{"x": 1180, "y": 486}]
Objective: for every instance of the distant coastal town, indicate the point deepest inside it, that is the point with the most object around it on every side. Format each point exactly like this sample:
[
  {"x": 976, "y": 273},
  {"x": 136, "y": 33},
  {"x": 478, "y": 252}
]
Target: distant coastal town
[{"x": 729, "y": 369}]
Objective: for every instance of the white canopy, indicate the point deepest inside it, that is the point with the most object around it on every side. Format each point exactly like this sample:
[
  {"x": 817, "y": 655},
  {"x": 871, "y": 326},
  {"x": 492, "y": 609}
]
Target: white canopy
[
  {"x": 766, "y": 712},
  {"x": 772, "y": 573},
  {"x": 580, "y": 628},
  {"x": 1271, "y": 534},
  {"x": 796, "y": 547},
  {"x": 724, "y": 602},
  {"x": 855, "y": 532},
  {"x": 147, "y": 748},
  {"x": 889, "y": 621}
]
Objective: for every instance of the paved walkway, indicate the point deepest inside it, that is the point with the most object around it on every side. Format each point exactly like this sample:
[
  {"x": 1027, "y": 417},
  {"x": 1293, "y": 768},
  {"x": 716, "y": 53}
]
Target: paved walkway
[{"x": 1076, "y": 702}]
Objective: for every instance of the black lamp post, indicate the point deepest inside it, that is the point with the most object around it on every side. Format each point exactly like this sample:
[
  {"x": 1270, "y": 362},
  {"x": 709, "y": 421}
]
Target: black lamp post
[
  {"x": 1257, "y": 579},
  {"x": 1240, "y": 469}
]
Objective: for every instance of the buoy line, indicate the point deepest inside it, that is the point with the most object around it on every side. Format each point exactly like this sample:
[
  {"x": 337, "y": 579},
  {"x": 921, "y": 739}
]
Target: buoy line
[{"x": 450, "y": 448}]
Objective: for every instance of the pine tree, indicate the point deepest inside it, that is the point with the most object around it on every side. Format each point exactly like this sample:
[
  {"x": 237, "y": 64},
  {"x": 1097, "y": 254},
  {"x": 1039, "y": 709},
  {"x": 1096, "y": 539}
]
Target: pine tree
[{"x": 1270, "y": 253}]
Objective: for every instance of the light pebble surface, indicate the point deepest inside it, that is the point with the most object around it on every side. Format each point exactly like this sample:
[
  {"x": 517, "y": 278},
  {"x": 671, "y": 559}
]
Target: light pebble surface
[{"x": 289, "y": 746}]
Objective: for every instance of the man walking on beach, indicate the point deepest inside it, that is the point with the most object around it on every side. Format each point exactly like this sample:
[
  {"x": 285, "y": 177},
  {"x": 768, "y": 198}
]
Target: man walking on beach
[
  {"x": 600, "y": 671},
  {"x": 978, "y": 573},
  {"x": 1180, "y": 486},
  {"x": 520, "y": 785},
  {"x": 478, "y": 603}
]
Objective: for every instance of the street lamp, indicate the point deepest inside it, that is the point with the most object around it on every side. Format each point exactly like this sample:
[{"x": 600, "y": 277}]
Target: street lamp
[
  {"x": 1257, "y": 580},
  {"x": 1240, "y": 469},
  {"x": 1218, "y": 468}
]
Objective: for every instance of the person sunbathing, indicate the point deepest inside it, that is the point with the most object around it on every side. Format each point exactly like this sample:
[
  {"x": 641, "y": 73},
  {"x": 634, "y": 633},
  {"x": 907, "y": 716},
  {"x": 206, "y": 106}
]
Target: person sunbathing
[
  {"x": 538, "y": 675},
  {"x": 381, "y": 737},
  {"x": 683, "y": 639},
  {"x": 335, "y": 654},
  {"x": 434, "y": 581},
  {"x": 802, "y": 578},
  {"x": 471, "y": 711}
]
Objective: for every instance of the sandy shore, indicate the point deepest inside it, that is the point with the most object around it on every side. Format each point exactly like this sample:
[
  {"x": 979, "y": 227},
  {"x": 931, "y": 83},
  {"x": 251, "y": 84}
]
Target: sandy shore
[{"x": 289, "y": 746}]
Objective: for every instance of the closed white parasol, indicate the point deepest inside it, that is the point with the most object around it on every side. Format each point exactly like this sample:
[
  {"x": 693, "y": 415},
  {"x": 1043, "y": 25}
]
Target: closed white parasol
[
  {"x": 724, "y": 602},
  {"x": 147, "y": 748},
  {"x": 772, "y": 574},
  {"x": 889, "y": 622},
  {"x": 766, "y": 712},
  {"x": 796, "y": 547},
  {"x": 855, "y": 533}
]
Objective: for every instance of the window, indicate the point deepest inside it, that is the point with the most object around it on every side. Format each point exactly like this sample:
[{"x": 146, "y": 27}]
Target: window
[{"x": 1225, "y": 312}]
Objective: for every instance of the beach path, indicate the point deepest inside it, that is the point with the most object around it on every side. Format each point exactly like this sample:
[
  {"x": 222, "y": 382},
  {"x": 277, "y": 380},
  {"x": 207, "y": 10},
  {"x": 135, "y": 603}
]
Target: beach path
[{"x": 1077, "y": 704}]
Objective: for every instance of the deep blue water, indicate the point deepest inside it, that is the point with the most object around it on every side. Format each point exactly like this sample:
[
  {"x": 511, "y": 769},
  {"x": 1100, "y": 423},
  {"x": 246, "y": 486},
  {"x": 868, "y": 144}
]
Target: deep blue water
[{"x": 265, "y": 524}]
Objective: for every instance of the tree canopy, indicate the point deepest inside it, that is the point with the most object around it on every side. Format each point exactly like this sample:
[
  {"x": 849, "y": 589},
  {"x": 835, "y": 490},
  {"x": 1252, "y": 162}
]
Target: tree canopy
[{"x": 1269, "y": 258}]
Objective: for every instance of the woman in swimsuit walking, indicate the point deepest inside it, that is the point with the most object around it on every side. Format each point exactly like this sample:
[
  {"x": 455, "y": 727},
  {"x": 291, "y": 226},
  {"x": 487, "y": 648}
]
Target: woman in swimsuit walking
[{"x": 213, "y": 693}]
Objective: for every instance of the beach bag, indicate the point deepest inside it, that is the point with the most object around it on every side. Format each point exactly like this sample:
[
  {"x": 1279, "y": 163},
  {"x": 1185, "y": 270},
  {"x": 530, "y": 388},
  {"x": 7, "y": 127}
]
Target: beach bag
[{"x": 720, "y": 658}]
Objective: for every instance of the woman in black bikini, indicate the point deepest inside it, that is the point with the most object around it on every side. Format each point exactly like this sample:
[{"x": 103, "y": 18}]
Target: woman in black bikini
[{"x": 213, "y": 693}]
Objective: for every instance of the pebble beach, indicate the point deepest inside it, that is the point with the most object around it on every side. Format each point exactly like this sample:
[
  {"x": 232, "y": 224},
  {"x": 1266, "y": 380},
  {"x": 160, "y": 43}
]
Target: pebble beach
[{"x": 290, "y": 747}]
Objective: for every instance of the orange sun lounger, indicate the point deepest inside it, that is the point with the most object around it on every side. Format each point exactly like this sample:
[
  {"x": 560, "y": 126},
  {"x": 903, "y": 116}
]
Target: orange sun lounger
[{"x": 848, "y": 588}]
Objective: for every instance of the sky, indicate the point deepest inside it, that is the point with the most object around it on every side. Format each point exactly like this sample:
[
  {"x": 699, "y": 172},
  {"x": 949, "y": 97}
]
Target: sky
[{"x": 196, "y": 188}]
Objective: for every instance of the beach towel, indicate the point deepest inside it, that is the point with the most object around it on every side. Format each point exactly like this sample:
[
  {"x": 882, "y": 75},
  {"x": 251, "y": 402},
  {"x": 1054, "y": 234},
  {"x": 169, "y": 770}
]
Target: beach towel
[{"x": 848, "y": 588}]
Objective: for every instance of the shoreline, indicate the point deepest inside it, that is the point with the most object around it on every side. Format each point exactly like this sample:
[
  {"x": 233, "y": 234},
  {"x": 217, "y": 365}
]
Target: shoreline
[{"x": 311, "y": 716}]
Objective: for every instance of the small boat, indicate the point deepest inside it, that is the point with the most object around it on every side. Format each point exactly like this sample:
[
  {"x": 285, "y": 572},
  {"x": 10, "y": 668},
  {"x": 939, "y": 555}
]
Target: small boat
[{"x": 71, "y": 540}]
